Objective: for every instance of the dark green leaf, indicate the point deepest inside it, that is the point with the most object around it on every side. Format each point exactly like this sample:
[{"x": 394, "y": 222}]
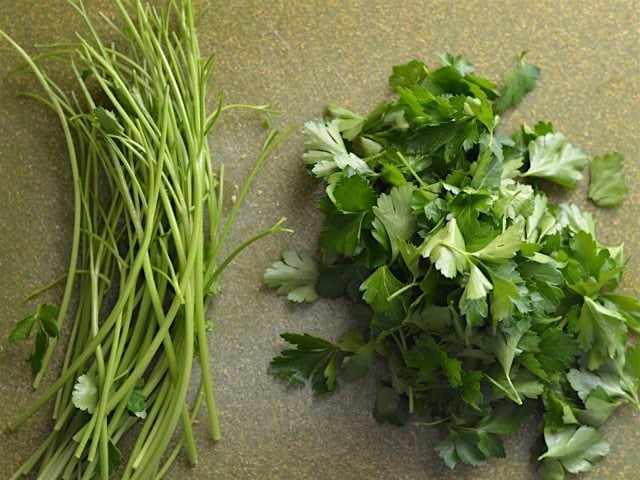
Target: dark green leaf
[
  {"x": 557, "y": 350},
  {"x": 136, "y": 403},
  {"x": 378, "y": 288},
  {"x": 47, "y": 316},
  {"x": 341, "y": 233},
  {"x": 22, "y": 329},
  {"x": 313, "y": 359},
  {"x": 38, "y": 353},
  {"x": 357, "y": 364},
  {"x": 114, "y": 457},
  {"x": 519, "y": 80},
  {"x": 353, "y": 194},
  {"x": 390, "y": 407}
]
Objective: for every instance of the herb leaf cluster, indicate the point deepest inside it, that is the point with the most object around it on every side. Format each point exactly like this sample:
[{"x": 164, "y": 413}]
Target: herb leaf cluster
[{"x": 485, "y": 299}]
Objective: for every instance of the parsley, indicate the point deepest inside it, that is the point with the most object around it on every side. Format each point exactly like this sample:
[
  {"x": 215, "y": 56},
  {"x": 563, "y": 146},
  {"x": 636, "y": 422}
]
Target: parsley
[
  {"x": 484, "y": 298},
  {"x": 148, "y": 247},
  {"x": 606, "y": 182},
  {"x": 296, "y": 276}
]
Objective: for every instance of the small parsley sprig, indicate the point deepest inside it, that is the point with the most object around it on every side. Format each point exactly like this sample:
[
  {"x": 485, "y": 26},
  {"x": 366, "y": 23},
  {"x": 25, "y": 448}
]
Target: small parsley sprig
[{"x": 485, "y": 299}]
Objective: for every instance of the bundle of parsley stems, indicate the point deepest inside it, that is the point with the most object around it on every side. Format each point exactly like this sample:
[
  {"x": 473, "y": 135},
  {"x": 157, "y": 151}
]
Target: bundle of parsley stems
[{"x": 149, "y": 230}]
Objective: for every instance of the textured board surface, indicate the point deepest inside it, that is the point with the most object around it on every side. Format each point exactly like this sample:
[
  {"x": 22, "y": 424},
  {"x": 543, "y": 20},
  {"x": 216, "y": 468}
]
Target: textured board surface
[{"x": 300, "y": 55}]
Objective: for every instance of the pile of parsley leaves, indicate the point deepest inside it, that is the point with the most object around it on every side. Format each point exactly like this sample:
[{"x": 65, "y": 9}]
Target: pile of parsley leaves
[{"x": 486, "y": 300}]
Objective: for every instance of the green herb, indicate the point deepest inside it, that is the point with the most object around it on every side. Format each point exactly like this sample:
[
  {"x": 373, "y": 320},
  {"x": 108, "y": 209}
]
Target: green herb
[
  {"x": 149, "y": 228},
  {"x": 606, "y": 182},
  {"x": 484, "y": 298}
]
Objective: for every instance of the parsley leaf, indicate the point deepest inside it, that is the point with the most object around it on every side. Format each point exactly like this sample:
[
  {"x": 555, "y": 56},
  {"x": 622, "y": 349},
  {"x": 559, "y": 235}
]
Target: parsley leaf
[
  {"x": 601, "y": 332},
  {"x": 606, "y": 182},
  {"x": 85, "y": 392},
  {"x": 519, "y": 80},
  {"x": 395, "y": 213},
  {"x": 553, "y": 158},
  {"x": 313, "y": 359},
  {"x": 295, "y": 275},
  {"x": 575, "y": 448},
  {"x": 446, "y": 249},
  {"x": 326, "y": 151},
  {"x": 353, "y": 194}
]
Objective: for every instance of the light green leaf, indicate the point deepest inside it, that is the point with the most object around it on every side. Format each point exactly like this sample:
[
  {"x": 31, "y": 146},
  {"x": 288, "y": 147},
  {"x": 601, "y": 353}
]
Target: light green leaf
[
  {"x": 477, "y": 285},
  {"x": 505, "y": 245},
  {"x": 446, "y": 249},
  {"x": 576, "y": 448},
  {"x": 553, "y": 158},
  {"x": 348, "y": 123},
  {"x": 504, "y": 345},
  {"x": 326, "y": 152},
  {"x": 85, "y": 392},
  {"x": 295, "y": 275},
  {"x": 577, "y": 220},
  {"x": 505, "y": 292},
  {"x": 606, "y": 181},
  {"x": 584, "y": 383},
  {"x": 601, "y": 332}
]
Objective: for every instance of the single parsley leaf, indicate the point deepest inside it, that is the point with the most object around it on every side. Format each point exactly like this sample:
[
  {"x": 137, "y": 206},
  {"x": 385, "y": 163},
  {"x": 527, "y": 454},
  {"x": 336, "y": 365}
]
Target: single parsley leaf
[
  {"x": 601, "y": 332},
  {"x": 607, "y": 187},
  {"x": 519, "y": 80},
  {"x": 461, "y": 446},
  {"x": 348, "y": 123},
  {"x": 39, "y": 349},
  {"x": 295, "y": 275},
  {"x": 85, "y": 392},
  {"x": 136, "y": 403},
  {"x": 615, "y": 386},
  {"x": 22, "y": 329},
  {"x": 357, "y": 364},
  {"x": 326, "y": 152},
  {"x": 504, "y": 345},
  {"x": 313, "y": 359},
  {"x": 557, "y": 350},
  {"x": 410, "y": 73},
  {"x": 429, "y": 359},
  {"x": 506, "y": 292},
  {"x": 505, "y": 245},
  {"x": 47, "y": 315},
  {"x": 575, "y": 448},
  {"x": 446, "y": 249},
  {"x": 553, "y": 158},
  {"x": 473, "y": 302},
  {"x": 377, "y": 289},
  {"x": 114, "y": 457},
  {"x": 506, "y": 418},
  {"x": 353, "y": 194},
  {"x": 394, "y": 212},
  {"x": 342, "y": 233}
]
